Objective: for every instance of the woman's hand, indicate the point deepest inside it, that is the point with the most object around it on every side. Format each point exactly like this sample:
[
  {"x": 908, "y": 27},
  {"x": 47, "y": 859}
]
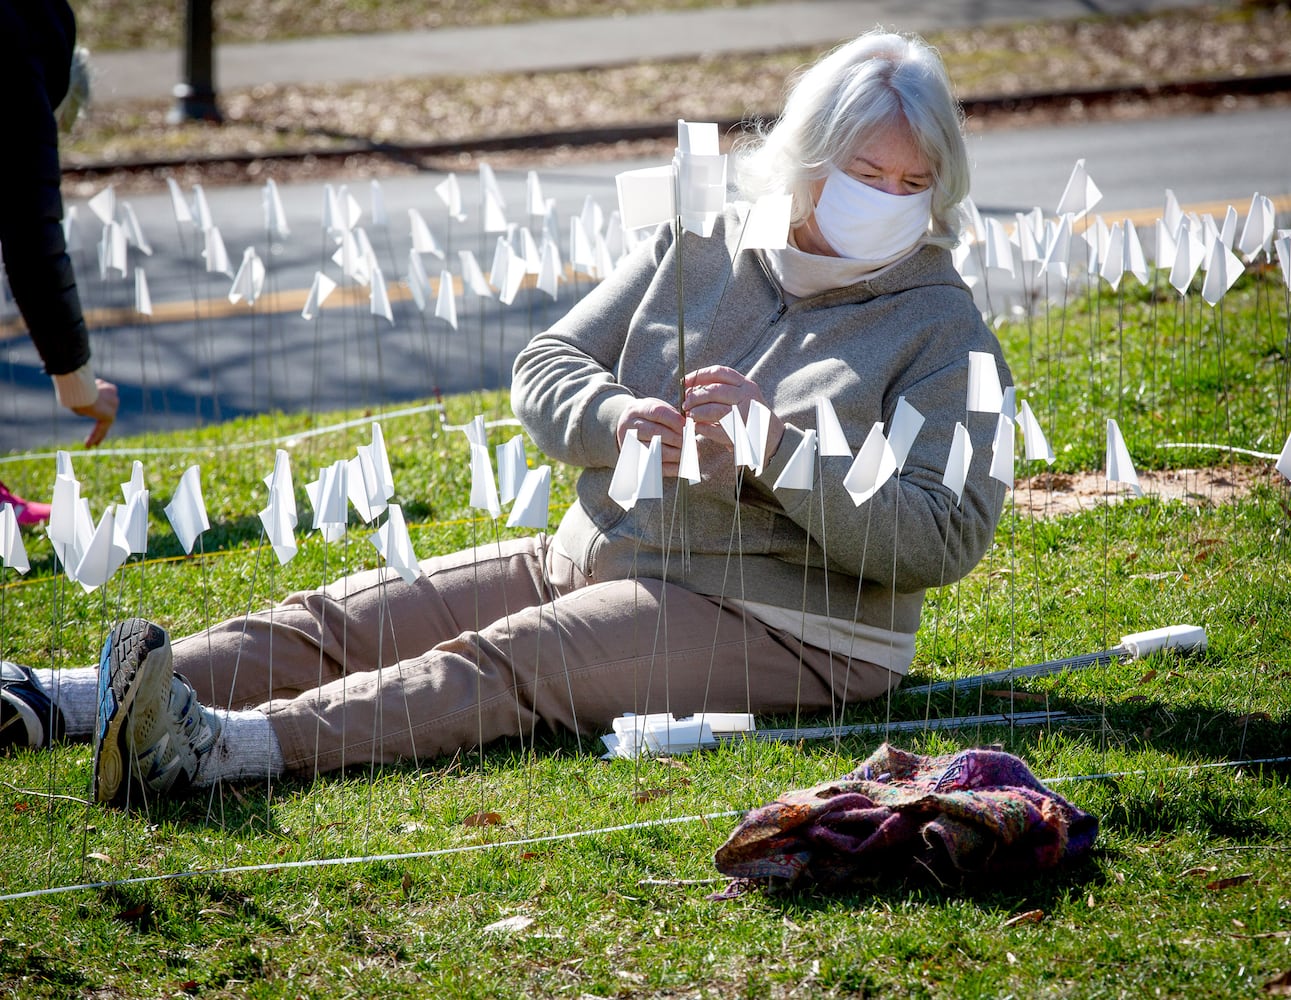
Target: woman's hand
[
  {"x": 103, "y": 411},
  {"x": 712, "y": 392},
  {"x": 653, "y": 418}
]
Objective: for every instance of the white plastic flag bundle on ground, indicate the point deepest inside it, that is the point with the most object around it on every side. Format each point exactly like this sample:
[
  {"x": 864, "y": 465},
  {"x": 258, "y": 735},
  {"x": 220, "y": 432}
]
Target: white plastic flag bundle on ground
[
  {"x": 187, "y": 509},
  {"x": 660, "y": 733},
  {"x": 1120, "y": 469}
]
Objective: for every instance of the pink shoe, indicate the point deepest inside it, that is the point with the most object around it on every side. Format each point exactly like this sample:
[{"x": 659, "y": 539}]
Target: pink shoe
[{"x": 29, "y": 511}]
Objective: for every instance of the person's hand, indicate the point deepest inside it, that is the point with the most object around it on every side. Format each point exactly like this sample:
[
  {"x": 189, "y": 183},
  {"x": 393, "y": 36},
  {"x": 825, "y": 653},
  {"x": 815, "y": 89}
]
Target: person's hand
[
  {"x": 653, "y": 418},
  {"x": 712, "y": 392},
  {"x": 103, "y": 411}
]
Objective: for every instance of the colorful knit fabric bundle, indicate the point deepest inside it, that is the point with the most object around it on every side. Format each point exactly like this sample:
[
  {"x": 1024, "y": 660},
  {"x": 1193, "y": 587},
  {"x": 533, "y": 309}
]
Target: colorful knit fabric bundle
[{"x": 974, "y": 812}]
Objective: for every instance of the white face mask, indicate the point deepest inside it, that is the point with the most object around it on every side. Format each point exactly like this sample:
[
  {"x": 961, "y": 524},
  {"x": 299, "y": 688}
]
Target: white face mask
[{"x": 863, "y": 223}]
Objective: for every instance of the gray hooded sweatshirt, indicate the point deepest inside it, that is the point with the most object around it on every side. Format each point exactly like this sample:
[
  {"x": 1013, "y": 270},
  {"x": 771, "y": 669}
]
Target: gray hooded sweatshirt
[{"x": 906, "y": 330}]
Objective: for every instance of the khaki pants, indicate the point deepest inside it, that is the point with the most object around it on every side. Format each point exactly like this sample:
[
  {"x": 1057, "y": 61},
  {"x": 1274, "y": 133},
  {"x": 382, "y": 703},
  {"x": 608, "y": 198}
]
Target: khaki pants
[{"x": 493, "y": 642}]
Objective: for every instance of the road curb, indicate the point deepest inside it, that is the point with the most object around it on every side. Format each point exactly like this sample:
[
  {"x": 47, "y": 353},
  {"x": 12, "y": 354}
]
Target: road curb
[{"x": 974, "y": 107}]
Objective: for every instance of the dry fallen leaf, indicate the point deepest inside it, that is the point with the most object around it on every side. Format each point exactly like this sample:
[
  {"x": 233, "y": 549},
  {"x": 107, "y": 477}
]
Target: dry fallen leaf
[
  {"x": 1029, "y": 917},
  {"x": 650, "y": 794},
  {"x": 1232, "y": 880},
  {"x": 96, "y": 856},
  {"x": 1148, "y": 677},
  {"x": 1202, "y": 870},
  {"x": 1279, "y": 986},
  {"x": 483, "y": 819},
  {"x": 509, "y": 925}
]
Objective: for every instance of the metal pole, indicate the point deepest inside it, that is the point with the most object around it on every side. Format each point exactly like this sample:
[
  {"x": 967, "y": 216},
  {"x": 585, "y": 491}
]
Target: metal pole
[{"x": 195, "y": 97}]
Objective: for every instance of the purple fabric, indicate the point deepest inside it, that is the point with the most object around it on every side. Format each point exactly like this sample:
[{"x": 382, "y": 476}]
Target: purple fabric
[{"x": 973, "y": 812}]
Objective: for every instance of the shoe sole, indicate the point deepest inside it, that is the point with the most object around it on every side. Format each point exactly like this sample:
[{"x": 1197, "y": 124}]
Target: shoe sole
[{"x": 130, "y": 674}]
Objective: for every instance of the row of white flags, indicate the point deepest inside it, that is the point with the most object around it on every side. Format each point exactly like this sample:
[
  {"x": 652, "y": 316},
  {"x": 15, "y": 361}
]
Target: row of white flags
[
  {"x": 91, "y": 554},
  {"x": 692, "y": 189},
  {"x": 1184, "y": 243}
]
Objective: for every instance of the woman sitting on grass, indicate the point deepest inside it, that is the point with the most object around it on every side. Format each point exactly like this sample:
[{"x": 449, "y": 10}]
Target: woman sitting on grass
[{"x": 863, "y": 307}]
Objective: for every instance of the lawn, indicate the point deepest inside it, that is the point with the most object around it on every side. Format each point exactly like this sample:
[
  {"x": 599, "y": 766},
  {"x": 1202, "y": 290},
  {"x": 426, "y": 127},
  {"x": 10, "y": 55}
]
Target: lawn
[{"x": 544, "y": 871}]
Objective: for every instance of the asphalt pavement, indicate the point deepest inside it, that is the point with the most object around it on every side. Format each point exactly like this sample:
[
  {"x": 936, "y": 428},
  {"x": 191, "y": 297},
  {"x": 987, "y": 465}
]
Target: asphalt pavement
[{"x": 573, "y": 43}]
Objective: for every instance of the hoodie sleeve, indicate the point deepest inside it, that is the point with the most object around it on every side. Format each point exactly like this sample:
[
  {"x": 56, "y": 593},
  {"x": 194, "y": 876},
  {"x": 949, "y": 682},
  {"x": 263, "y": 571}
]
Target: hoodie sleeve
[
  {"x": 912, "y": 534},
  {"x": 33, "y": 47}
]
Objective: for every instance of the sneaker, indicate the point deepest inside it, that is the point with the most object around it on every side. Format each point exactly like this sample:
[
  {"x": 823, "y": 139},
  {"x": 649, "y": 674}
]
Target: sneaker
[
  {"x": 28, "y": 718},
  {"x": 152, "y": 732},
  {"x": 28, "y": 512}
]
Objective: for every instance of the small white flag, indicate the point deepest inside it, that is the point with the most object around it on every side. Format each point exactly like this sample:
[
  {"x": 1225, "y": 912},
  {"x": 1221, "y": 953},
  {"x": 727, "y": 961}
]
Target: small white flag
[
  {"x": 423, "y": 240},
  {"x": 379, "y": 301},
  {"x": 512, "y": 468},
  {"x": 1036, "y": 444},
  {"x": 1081, "y": 193},
  {"x": 450, "y": 193},
  {"x": 984, "y": 392},
  {"x": 958, "y": 462},
  {"x": 799, "y": 473},
  {"x": 533, "y": 500},
  {"x": 446, "y": 299},
  {"x": 1120, "y": 468},
  {"x": 873, "y": 466},
  {"x": 275, "y": 219},
  {"x": 187, "y": 509},
  {"x": 142, "y": 300},
  {"x": 322, "y": 287},
  {"x": 12, "y": 552},
  {"x": 832, "y": 440},
  {"x": 1002, "y": 451}
]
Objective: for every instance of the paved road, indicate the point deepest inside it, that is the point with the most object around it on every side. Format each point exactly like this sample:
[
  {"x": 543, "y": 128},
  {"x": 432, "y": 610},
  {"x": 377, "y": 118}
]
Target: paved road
[
  {"x": 578, "y": 43},
  {"x": 348, "y": 358}
]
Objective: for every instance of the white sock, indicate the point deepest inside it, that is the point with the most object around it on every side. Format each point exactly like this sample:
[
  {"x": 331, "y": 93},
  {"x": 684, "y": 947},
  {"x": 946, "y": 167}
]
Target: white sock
[
  {"x": 247, "y": 747},
  {"x": 75, "y": 690}
]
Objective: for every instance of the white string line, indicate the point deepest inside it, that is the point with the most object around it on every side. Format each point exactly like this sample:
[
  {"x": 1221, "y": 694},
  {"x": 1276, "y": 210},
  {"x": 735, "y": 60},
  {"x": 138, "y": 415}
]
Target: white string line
[
  {"x": 547, "y": 839},
  {"x": 373, "y": 858},
  {"x": 264, "y": 443}
]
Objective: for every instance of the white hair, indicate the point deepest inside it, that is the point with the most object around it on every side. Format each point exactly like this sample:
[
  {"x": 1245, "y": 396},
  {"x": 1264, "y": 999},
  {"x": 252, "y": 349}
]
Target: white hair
[{"x": 851, "y": 95}]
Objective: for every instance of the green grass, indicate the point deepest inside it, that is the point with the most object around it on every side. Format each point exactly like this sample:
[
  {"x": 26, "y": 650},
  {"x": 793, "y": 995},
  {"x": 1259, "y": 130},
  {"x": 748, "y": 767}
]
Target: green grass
[{"x": 1186, "y": 894}]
